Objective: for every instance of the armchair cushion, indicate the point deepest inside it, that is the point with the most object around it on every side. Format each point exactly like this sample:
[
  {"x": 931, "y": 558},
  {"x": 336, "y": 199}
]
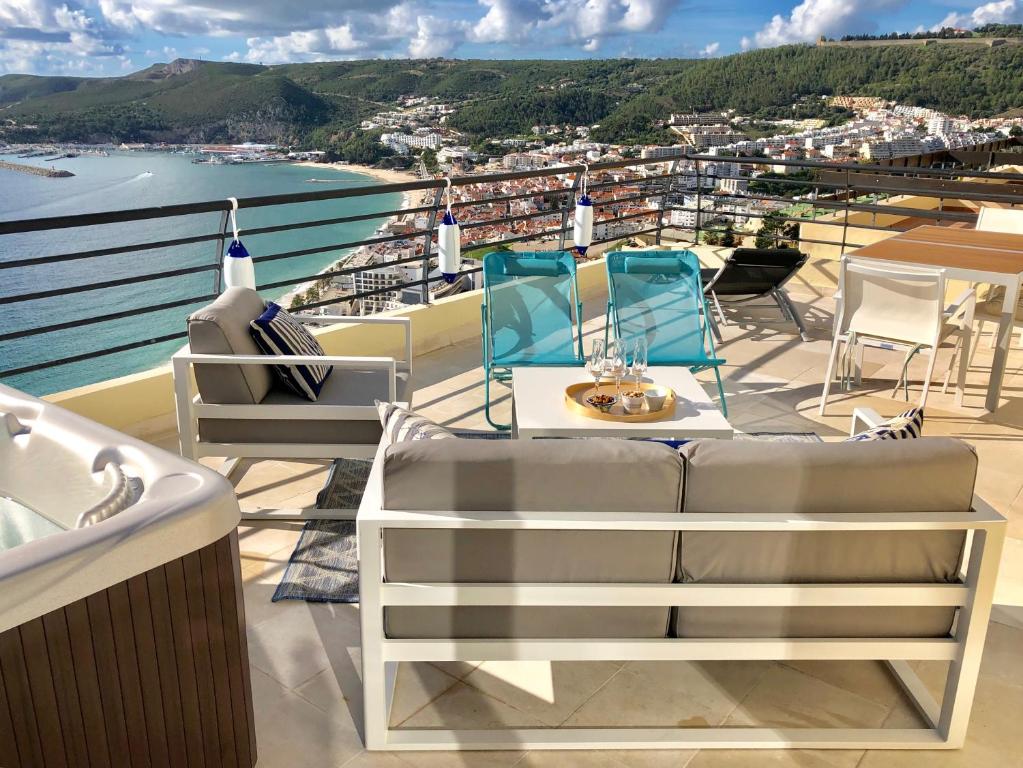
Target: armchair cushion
[
  {"x": 277, "y": 332},
  {"x": 354, "y": 388},
  {"x": 222, "y": 328}
]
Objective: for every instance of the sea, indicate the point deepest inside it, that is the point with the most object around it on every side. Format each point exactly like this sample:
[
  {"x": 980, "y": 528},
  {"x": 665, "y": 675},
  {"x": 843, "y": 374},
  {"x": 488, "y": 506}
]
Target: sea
[{"x": 125, "y": 180}]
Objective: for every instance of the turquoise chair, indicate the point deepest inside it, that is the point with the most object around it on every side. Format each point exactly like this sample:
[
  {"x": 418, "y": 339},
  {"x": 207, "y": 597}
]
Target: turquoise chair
[
  {"x": 531, "y": 314},
  {"x": 658, "y": 295}
]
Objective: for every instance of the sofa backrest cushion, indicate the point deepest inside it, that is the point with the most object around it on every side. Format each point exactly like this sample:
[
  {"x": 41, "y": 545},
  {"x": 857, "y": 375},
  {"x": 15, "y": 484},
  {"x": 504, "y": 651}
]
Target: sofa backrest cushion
[
  {"x": 931, "y": 474},
  {"x": 222, "y": 328},
  {"x": 530, "y": 475},
  {"x": 526, "y": 475},
  {"x": 923, "y": 475}
]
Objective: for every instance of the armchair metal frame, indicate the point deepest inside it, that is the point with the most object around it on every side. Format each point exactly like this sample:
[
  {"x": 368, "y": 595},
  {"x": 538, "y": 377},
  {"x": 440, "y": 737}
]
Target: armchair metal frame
[{"x": 190, "y": 408}]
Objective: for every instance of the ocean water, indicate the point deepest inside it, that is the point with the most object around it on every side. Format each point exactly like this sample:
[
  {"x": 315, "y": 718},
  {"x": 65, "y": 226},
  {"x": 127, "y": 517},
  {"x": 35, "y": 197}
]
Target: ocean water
[{"x": 138, "y": 180}]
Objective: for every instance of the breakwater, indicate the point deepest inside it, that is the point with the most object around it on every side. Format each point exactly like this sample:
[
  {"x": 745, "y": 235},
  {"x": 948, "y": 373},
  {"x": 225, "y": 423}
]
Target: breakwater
[{"x": 35, "y": 170}]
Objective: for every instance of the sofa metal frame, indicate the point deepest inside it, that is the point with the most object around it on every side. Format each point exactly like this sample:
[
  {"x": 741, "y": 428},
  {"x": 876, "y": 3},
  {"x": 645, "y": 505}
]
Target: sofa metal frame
[
  {"x": 947, "y": 722},
  {"x": 190, "y": 408}
]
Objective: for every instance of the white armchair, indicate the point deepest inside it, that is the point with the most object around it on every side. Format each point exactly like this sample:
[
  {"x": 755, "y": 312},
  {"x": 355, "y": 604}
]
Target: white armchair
[{"x": 237, "y": 411}]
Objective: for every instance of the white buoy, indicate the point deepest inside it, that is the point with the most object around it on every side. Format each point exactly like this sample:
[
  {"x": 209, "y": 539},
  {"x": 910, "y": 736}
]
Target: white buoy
[
  {"x": 583, "y": 230},
  {"x": 449, "y": 242},
  {"x": 239, "y": 271}
]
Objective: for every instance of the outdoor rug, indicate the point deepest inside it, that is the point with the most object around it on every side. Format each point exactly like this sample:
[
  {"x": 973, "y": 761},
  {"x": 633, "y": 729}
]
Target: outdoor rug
[{"x": 324, "y": 568}]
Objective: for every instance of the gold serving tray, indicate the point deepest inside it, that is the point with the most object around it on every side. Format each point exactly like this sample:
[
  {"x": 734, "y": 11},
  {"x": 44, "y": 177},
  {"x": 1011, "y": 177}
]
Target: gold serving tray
[{"x": 576, "y": 394}]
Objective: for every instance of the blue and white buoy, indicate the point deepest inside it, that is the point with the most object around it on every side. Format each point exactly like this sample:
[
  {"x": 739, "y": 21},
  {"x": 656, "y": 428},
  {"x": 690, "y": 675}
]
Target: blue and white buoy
[
  {"x": 583, "y": 230},
  {"x": 239, "y": 271},
  {"x": 449, "y": 242}
]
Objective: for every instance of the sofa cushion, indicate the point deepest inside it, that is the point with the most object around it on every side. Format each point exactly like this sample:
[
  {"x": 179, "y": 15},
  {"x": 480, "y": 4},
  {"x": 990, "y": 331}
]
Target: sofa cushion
[
  {"x": 222, "y": 328},
  {"x": 530, "y": 475},
  {"x": 277, "y": 332},
  {"x": 925, "y": 475},
  {"x": 354, "y": 388}
]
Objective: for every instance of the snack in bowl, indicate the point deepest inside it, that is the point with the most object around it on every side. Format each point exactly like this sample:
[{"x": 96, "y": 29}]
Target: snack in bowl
[
  {"x": 655, "y": 397},
  {"x": 601, "y": 402},
  {"x": 632, "y": 401}
]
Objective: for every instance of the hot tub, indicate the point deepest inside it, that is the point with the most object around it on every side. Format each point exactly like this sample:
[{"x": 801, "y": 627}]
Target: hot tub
[{"x": 122, "y": 628}]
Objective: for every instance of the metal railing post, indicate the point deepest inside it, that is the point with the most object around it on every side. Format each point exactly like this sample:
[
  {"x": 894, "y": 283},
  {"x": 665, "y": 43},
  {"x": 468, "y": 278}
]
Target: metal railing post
[
  {"x": 563, "y": 235},
  {"x": 218, "y": 275},
  {"x": 428, "y": 245},
  {"x": 672, "y": 170},
  {"x": 848, "y": 210},
  {"x": 699, "y": 204}
]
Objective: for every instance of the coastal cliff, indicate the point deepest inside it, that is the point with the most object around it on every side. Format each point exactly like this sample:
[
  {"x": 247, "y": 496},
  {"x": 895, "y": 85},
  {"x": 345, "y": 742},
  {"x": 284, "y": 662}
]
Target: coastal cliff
[{"x": 50, "y": 173}]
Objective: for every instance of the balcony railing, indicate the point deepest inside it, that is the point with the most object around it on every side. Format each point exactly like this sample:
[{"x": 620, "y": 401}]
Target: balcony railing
[{"x": 115, "y": 301}]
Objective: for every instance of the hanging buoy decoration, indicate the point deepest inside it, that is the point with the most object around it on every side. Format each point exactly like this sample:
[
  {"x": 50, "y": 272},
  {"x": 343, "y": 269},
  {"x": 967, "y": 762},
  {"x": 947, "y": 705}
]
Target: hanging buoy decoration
[
  {"x": 239, "y": 271},
  {"x": 583, "y": 230},
  {"x": 449, "y": 242}
]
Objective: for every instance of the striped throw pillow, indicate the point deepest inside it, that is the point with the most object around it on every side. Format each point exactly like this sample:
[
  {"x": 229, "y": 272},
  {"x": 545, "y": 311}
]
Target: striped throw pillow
[
  {"x": 278, "y": 333},
  {"x": 902, "y": 427},
  {"x": 401, "y": 424}
]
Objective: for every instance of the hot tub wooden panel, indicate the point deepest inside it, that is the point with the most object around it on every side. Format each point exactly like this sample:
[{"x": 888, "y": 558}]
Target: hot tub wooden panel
[{"x": 152, "y": 672}]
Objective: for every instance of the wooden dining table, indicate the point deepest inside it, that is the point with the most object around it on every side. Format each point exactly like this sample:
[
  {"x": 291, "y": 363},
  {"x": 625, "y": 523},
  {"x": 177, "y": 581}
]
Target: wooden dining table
[{"x": 993, "y": 258}]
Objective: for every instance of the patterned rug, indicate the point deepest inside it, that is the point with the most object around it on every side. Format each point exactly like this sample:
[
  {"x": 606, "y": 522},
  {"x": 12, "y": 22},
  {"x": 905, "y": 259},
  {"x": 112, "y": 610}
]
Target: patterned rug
[{"x": 324, "y": 568}]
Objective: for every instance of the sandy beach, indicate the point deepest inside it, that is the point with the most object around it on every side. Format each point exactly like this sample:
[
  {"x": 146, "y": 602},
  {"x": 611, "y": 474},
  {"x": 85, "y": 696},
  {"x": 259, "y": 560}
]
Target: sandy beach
[{"x": 412, "y": 199}]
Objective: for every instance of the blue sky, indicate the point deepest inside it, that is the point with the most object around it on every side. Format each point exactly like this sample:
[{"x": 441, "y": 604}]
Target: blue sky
[{"x": 109, "y": 37}]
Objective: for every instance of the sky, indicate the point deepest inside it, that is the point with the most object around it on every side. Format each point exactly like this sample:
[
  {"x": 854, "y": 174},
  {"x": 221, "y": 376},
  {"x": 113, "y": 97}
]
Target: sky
[{"x": 112, "y": 37}]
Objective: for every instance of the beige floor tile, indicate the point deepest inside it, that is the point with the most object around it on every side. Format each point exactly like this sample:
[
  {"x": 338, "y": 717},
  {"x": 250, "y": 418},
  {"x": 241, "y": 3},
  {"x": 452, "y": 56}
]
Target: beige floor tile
[
  {"x": 869, "y": 679},
  {"x": 548, "y": 691},
  {"x": 290, "y": 731},
  {"x": 376, "y": 760},
  {"x": 265, "y": 538},
  {"x": 338, "y": 689},
  {"x": 465, "y": 707},
  {"x": 795, "y": 758},
  {"x": 991, "y": 741},
  {"x": 670, "y": 694},
  {"x": 787, "y": 698},
  {"x": 461, "y": 759},
  {"x": 304, "y": 640}
]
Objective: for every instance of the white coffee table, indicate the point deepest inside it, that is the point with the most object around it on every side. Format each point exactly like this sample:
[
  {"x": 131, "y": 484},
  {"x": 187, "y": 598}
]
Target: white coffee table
[{"x": 539, "y": 410}]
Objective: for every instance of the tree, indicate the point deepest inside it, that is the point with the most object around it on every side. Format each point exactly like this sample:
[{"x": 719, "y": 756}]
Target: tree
[
  {"x": 774, "y": 230},
  {"x": 1016, "y": 130},
  {"x": 728, "y": 236},
  {"x": 429, "y": 158}
]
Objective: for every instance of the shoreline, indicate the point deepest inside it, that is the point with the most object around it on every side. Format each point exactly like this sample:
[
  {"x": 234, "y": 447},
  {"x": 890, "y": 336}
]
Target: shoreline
[{"x": 412, "y": 199}]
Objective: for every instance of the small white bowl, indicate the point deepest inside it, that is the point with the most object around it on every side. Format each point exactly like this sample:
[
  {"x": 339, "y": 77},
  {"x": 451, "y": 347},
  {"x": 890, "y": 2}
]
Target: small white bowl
[
  {"x": 655, "y": 397},
  {"x": 633, "y": 404}
]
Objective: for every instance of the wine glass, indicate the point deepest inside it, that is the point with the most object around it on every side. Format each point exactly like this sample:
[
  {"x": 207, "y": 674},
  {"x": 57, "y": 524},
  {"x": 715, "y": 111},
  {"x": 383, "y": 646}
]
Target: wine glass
[
  {"x": 616, "y": 363},
  {"x": 639, "y": 359},
  {"x": 595, "y": 363}
]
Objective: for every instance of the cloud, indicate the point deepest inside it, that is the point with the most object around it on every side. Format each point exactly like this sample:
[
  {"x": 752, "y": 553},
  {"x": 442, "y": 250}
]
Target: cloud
[
  {"x": 710, "y": 49},
  {"x": 36, "y": 34},
  {"x": 41, "y": 35},
  {"x": 999, "y": 12},
  {"x": 813, "y": 18}
]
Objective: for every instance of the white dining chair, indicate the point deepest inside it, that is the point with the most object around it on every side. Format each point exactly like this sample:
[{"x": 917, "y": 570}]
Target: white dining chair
[
  {"x": 897, "y": 309},
  {"x": 1008, "y": 221}
]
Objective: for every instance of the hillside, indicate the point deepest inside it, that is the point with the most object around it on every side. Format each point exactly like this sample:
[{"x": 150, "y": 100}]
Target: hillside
[{"x": 323, "y": 102}]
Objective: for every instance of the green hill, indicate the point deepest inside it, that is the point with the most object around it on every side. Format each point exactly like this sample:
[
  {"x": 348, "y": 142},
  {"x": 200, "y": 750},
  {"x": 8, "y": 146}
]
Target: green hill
[{"x": 323, "y": 102}]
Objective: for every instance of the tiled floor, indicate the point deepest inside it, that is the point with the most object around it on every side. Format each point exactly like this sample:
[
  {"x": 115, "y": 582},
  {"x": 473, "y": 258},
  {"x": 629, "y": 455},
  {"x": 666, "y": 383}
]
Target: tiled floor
[{"x": 305, "y": 657}]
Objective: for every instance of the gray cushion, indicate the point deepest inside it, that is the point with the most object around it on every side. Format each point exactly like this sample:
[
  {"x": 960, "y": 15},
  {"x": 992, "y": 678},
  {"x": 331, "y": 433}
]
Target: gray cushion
[
  {"x": 512, "y": 475},
  {"x": 222, "y": 328},
  {"x": 352, "y": 388},
  {"x": 924, "y": 475}
]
